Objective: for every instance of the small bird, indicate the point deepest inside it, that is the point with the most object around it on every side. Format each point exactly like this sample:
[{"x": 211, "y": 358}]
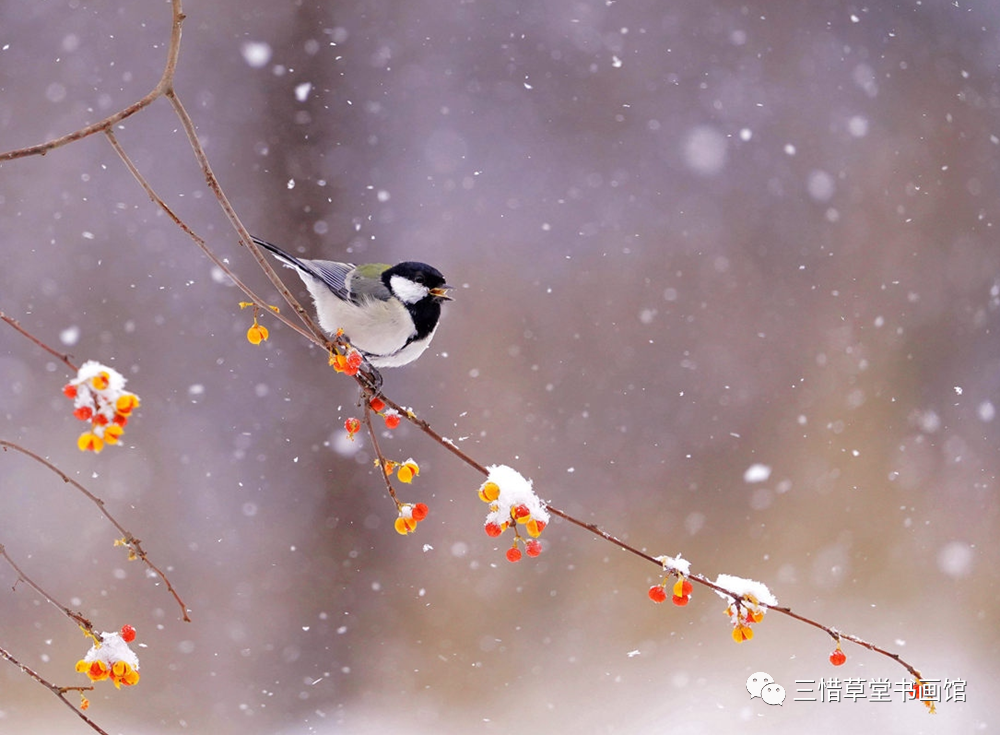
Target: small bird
[{"x": 389, "y": 313}]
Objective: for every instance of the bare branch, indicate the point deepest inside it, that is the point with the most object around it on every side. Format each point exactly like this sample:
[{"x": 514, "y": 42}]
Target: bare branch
[
  {"x": 57, "y": 690},
  {"x": 127, "y": 539},
  {"x": 62, "y": 357}
]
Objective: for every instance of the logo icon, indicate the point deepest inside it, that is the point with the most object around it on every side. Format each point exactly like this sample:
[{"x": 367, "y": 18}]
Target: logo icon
[
  {"x": 757, "y": 682},
  {"x": 762, "y": 685},
  {"x": 773, "y": 694}
]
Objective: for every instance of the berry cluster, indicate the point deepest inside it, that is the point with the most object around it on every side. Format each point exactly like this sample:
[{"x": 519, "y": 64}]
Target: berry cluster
[
  {"x": 405, "y": 471},
  {"x": 349, "y": 363},
  {"x": 409, "y": 516},
  {"x": 743, "y": 614},
  {"x": 111, "y": 658},
  {"x": 513, "y": 504},
  {"x": 391, "y": 416},
  {"x": 681, "y": 593},
  {"x": 99, "y": 396}
]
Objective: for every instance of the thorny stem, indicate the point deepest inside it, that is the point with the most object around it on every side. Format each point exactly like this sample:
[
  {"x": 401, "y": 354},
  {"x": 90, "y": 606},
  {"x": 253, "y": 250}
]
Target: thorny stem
[
  {"x": 64, "y": 358},
  {"x": 127, "y": 538},
  {"x": 59, "y": 691}
]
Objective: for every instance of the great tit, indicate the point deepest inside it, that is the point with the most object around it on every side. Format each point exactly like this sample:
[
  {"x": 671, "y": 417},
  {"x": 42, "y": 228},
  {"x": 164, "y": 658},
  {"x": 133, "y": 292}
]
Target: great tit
[{"x": 389, "y": 313}]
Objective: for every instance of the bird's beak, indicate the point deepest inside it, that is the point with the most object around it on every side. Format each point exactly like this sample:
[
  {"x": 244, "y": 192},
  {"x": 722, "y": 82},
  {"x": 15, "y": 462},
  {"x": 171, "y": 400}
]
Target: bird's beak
[{"x": 442, "y": 292}]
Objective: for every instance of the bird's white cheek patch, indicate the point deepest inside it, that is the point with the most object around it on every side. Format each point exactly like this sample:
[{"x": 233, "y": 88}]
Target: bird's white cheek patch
[{"x": 406, "y": 290}]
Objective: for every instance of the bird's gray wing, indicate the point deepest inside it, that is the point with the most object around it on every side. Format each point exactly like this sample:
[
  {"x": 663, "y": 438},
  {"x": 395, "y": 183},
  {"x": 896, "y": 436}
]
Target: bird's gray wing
[{"x": 333, "y": 274}]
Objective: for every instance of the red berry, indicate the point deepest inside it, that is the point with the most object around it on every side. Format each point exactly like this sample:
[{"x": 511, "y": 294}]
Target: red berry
[
  {"x": 493, "y": 529},
  {"x": 657, "y": 593},
  {"x": 128, "y": 633},
  {"x": 377, "y": 404},
  {"x": 84, "y": 413},
  {"x": 522, "y": 512},
  {"x": 533, "y": 547},
  {"x": 419, "y": 511},
  {"x": 513, "y": 554},
  {"x": 392, "y": 420},
  {"x": 680, "y": 600},
  {"x": 70, "y": 390},
  {"x": 354, "y": 359},
  {"x": 687, "y": 588},
  {"x": 837, "y": 658},
  {"x": 352, "y": 425}
]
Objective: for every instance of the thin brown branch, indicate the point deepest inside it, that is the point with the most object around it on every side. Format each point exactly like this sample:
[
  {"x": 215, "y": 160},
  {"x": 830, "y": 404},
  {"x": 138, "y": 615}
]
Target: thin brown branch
[
  {"x": 380, "y": 458},
  {"x": 133, "y": 544},
  {"x": 62, "y": 357},
  {"x": 59, "y": 691},
  {"x": 73, "y": 615},
  {"x": 200, "y": 242},
  {"x": 315, "y": 333},
  {"x": 593, "y": 528},
  {"x": 162, "y": 86}
]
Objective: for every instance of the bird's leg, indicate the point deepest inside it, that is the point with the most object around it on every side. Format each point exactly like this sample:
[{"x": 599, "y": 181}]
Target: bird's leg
[{"x": 371, "y": 378}]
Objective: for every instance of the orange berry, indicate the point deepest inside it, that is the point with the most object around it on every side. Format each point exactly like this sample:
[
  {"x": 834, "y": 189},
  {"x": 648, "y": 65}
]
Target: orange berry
[
  {"x": 404, "y": 526},
  {"x": 419, "y": 511},
  {"x": 682, "y": 587},
  {"x": 838, "y": 657},
  {"x": 657, "y": 594},
  {"x": 377, "y": 404},
  {"x": 256, "y": 334},
  {"x": 354, "y": 360},
  {"x": 126, "y": 403},
  {"x": 489, "y": 492},
  {"x": 89, "y": 442}
]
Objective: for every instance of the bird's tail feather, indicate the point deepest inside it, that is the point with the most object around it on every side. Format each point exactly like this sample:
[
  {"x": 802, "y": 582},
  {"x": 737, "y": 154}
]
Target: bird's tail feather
[{"x": 289, "y": 261}]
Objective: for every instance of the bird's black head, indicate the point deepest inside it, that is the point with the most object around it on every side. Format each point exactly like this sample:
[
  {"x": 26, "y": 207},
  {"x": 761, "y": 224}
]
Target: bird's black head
[{"x": 421, "y": 288}]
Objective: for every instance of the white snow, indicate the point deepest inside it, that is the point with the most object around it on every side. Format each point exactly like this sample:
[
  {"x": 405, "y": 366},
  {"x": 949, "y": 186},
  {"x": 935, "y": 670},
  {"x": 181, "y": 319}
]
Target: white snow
[
  {"x": 955, "y": 559},
  {"x": 757, "y": 473},
  {"x": 302, "y": 91},
  {"x": 705, "y": 150},
  {"x": 675, "y": 564},
  {"x": 70, "y": 335},
  {"x": 515, "y": 489},
  {"x": 256, "y": 53},
  {"x": 112, "y": 648},
  {"x": 741, "y": 587},
  {"x": 987, "y": 411}
]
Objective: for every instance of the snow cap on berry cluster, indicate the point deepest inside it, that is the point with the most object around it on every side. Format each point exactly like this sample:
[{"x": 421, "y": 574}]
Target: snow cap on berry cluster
[
  {"x": 515, "y": 490},
  {"x": 744, "y": 589},
  {"x": 99, "y": 397}
]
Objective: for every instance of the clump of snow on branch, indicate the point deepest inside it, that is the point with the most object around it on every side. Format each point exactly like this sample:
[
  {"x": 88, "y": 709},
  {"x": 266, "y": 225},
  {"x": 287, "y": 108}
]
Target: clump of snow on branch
[{"x": 741, "y": 588}]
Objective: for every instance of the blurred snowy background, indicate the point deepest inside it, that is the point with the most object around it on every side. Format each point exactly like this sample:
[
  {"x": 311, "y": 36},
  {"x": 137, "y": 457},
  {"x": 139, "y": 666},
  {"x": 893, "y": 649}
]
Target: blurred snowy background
[{"x": 688, "y": 238}]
